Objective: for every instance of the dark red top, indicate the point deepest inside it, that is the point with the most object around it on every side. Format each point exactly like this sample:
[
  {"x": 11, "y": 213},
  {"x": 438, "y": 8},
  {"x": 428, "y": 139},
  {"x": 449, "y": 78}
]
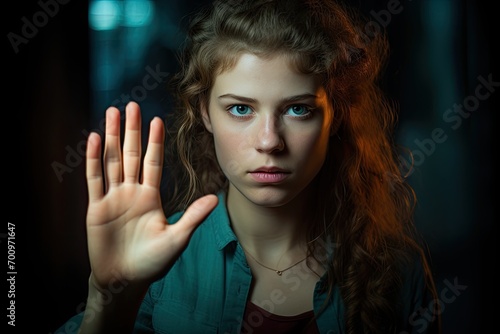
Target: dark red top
[{"x": 259, "y": 320}]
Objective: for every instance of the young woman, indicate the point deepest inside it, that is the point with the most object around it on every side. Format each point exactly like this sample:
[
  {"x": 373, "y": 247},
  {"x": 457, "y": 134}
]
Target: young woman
[{"x": 288, "y": 212}]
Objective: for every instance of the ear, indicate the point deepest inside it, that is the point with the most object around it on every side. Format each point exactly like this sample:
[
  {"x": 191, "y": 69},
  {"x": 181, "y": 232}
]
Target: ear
[{"x": 206, "y": 117}]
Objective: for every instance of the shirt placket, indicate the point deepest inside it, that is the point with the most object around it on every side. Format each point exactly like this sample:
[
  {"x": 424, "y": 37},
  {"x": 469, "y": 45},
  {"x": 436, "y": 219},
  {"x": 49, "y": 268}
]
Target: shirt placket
[{"x": 238, "y": 288}]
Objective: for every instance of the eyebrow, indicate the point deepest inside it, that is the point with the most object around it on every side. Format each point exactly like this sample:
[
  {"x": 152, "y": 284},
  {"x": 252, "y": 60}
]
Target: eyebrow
[{"x": 294, "y": 98}]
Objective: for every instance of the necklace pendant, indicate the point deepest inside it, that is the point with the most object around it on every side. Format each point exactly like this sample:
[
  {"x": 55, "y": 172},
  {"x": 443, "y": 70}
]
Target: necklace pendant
[{"x": 279, "y": 272}]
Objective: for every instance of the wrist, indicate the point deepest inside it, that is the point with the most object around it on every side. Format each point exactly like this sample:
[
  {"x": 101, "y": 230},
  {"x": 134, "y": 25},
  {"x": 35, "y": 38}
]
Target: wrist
[
  {"x": 119, "y": 288},
  {"x": 118, "y": 293},
  {"x": 112, "y": 308}
]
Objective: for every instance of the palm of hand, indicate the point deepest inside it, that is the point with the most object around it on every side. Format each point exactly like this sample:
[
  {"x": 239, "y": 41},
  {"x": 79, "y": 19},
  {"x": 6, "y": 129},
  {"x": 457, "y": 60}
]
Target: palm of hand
[
  {"x": 127, "y": 230},
  {"x": 128, "y": 235}
]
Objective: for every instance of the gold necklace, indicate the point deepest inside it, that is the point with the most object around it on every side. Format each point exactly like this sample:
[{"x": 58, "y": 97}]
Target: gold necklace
[{"x": 278, "y": 272}]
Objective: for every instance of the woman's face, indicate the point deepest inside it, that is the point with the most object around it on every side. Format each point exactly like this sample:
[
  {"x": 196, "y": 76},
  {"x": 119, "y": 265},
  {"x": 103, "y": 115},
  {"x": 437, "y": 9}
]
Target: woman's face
[{"x": 271, "y": 127}]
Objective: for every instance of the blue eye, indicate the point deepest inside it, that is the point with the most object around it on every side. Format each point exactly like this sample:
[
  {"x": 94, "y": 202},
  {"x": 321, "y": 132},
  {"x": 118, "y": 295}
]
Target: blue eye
[
  {"x": 298, "y": 110},
  {"x": 240, "y": 110}
]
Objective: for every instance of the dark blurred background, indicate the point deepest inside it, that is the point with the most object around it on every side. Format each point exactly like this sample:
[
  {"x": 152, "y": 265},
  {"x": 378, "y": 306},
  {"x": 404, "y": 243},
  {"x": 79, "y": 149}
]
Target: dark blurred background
[{"x": 67, "y": 61}]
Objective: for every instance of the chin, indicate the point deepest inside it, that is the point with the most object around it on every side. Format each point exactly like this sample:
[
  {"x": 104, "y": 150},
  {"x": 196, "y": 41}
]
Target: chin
[{"x": 269, "y": 196}]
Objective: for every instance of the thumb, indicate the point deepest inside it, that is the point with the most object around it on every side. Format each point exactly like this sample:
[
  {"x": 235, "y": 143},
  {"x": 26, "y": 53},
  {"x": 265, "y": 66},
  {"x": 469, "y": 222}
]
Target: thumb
[{"x": 194, "y": 215}]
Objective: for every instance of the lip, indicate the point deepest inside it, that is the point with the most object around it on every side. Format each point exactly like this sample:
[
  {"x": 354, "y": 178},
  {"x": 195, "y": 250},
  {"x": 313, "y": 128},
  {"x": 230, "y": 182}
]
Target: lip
[
  {"x": 270, "y": 169},
  {"x": 270, "y": 174}
]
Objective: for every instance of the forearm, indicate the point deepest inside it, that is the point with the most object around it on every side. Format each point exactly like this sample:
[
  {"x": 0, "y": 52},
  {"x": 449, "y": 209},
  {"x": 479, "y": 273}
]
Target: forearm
[{"x": 113, "y": 310}]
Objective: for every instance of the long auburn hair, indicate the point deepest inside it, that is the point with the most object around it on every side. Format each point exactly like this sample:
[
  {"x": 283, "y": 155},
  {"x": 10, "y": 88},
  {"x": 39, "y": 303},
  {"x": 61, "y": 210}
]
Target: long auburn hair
[{"x": 366, "y": 206}]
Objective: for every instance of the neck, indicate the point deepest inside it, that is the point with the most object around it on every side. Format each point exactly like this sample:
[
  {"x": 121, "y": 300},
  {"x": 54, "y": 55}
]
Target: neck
[{"x": 271, "y": 234}]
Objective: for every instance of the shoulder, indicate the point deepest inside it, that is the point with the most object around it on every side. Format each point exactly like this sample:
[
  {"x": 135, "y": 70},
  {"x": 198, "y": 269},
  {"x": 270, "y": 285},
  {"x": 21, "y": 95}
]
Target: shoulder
[
  {"x": 214, "y": 229},
  {"x": 174, "y": 218},
  {"x": 219, "y": 212}
]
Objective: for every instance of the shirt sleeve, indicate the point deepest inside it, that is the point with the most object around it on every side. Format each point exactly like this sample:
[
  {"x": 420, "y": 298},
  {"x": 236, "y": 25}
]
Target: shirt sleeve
[
  {"x": 71, "y": 326},
  {"x": 143, "y": 323},
  {"x": 144, "y": 320}
]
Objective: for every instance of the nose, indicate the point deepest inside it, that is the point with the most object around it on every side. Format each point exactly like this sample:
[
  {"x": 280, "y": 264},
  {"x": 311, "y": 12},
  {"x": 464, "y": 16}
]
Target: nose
[{"x": 269, "y": 137}]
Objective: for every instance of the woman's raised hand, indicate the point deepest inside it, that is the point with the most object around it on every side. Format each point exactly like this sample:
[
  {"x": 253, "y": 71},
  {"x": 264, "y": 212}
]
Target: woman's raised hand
[{"x": 127, "y": 232}]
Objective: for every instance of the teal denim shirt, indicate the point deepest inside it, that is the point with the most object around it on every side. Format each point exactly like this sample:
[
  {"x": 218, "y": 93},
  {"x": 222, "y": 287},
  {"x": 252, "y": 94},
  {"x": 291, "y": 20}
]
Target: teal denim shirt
[{"x": 207, "y": 288}]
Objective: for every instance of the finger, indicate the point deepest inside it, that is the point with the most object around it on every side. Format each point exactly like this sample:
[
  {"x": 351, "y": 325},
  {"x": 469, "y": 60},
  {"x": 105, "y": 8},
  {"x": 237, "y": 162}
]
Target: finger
[
  {"x": 193, "y": 217},
  {"x": 153, "y": 160},
  {"x": 112, "y": 151},
  {"x": 94, "y": 167},
  {"x": 132, "y": 143}
]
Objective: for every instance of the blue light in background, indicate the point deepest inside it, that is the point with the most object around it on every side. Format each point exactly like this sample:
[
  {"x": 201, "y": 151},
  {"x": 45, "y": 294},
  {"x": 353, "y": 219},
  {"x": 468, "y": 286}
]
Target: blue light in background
[
  {"x": 121, "y": 34},
  {"x": 138, "y": 13},
  {"x": 109, "y": 15},
  {"x": 104, "y": 15}
]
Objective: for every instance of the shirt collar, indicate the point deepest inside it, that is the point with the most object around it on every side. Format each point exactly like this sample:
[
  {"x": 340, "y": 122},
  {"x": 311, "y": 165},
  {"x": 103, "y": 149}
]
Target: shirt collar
[{"x": 219, "y": 220}]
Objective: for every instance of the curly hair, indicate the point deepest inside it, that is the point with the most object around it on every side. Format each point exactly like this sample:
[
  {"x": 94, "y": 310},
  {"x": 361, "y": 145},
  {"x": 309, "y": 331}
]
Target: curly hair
[{"x": 366, "y": 205}]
